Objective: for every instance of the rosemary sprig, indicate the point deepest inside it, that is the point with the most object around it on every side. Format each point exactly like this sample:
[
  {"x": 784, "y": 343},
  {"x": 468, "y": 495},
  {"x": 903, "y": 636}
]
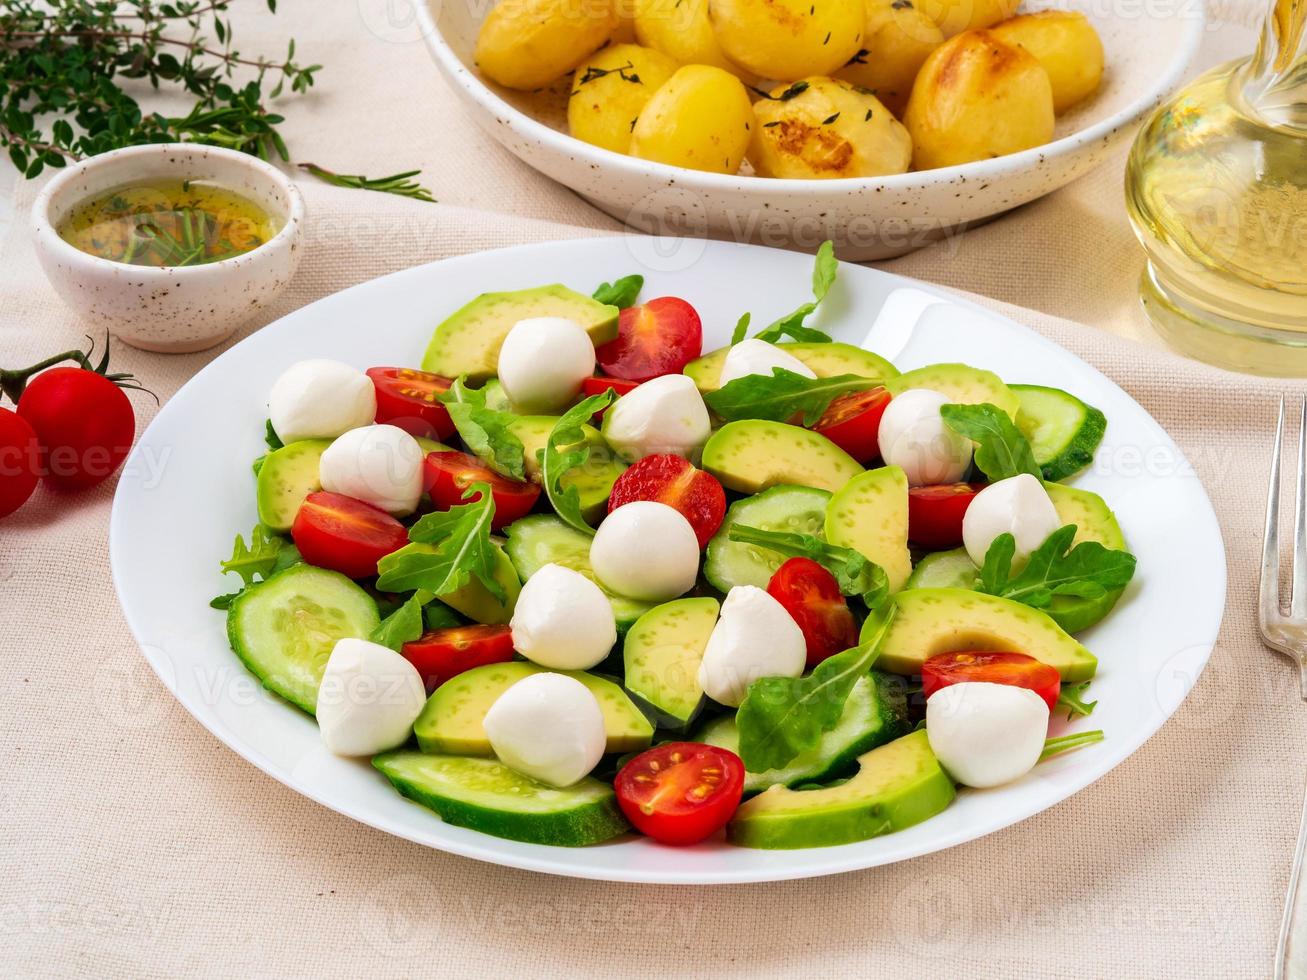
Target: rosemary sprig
[{"x": 394, "y": 184}]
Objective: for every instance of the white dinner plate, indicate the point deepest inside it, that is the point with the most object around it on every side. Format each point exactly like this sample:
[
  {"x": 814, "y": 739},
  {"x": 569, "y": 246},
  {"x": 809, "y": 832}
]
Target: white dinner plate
[{"x": 187, "y": 490}]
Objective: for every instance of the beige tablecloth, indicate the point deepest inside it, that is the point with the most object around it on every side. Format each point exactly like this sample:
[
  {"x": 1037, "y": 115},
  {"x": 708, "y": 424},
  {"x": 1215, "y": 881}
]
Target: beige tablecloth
[{"x": 133, "y": 844}]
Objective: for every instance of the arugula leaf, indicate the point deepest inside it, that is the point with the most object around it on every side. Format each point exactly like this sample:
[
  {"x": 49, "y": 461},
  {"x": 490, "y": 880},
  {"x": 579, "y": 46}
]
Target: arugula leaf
[
  {"x": 823, "y": 277},
  {"x": 1002, "y": 450},
  {"x": 486, "y": 432},
  {"x": 404, "y": 624},
  {"x": 555, "y": 462},
  {"x": 460, "y": 549},
  {"x": 1071, "y": 699},
  {"x": 621, "y": 293},
  {"x": 741, "y": 328},
  {"x": 783, "y": 716},
  {"x": 1087, "y": 571},
  {"x": 856, "y": 574},
  {"x": 270, "y": 436},
  {"x": 438, "y": 616},
  {"x": 782, "y": 395},
  {"x": 260, "y": 558},
  {"x": 1065, "y": 743}
]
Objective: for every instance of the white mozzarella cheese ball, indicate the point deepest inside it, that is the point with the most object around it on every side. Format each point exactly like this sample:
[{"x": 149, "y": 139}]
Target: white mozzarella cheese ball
[
  {"x": 320, "y": 399},
  {"x": 563, "y": 620},
  {"x": 915, "y": 438},
  {"x": 646, "y": 550},
  {"x": 986, "y": 734},
  {"x": 549, "y": 727},
  {"x": 1019, "y": 506},
  {"x": 663, "y": 415},
  {"x": 758, "y": 357},
  {"x": 754, "y": 637},
  {"x": 543, "y": 361},
  {"x": 378, "y": 464},
  {"x": 368, "y": 699}
]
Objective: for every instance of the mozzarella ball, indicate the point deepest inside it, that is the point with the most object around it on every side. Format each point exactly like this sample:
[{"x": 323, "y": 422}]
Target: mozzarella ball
[
  {"x": 378, "y": 464},
  {"x": 646, "y": 550},
  {"x": 986, "y": 734},
  {"x": 754, "y": 637},
  {"x": 915, "y": 437},
  {"x": 549, "y": 727},
  {"x": 1019, "y": 506},
  {"x": 320, "y": 399},
  {"x": 664, "y": 415},
  {"x": 368, "y": 699},
  {"x": 758, "y": 357},
  {"x": 543, "y": 361},
  {"x": 563, "y": 620}
]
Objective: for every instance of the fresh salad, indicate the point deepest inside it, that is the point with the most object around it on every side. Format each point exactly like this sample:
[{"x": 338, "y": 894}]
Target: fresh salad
[{"x": 573, "y": 576}]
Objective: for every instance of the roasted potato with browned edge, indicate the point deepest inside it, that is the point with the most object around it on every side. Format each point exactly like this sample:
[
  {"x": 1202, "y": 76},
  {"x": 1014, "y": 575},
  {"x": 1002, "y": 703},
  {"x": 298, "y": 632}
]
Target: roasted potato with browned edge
[
  {"x": 1068, "y": 47},
  {"x": 526, "y": 44},
  {"x": 896, "y": 41}
]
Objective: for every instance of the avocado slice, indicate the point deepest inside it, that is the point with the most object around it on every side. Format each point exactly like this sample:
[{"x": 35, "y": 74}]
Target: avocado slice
[
  {"x": 1094, "y": 521},
  {"x": 754, "y": 454},
  {"x": 661, "y": 656},
  {"x": 285, "y": 477},
  {"x": 962, "y": 384},
  {"x": 468, "y": 341},
  {"x": 593, "y": 481},
  {"x": 452, "y": 719},
  {"x": 826, "y": 361},
  {"x": 896, "y": 785},
  {"x": 931, "y": 621},
  {"x": 870, "y": 515},
  {"x": 473, "y": 599}
]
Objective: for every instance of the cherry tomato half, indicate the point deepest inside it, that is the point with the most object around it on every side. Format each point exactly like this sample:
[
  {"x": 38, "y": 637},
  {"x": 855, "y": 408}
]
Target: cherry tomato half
[
  {"x": 658, "y": 337},
  {"x": 346, "y": 535},
  {"x": 813, "y": 599},
  {"x": 407, "y": 398},
  {"x": 444, "y": 653},
  {"x": 675, "y": 481},
  {"x": 84, "y": 423},
  {"x": 20, "y": 461},
  {"x": 935, "y": 513},
  {"x": 598, "y": 385},
  {"x": 680, "y": 792},
  {"x": 1017, "y": 669},
  {"x": 852, "y": 422},
  {"x": 446, "y": 476}
]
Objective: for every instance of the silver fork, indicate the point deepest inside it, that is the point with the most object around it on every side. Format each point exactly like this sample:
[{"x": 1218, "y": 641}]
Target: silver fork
[{"x": 1288, "y": 634}]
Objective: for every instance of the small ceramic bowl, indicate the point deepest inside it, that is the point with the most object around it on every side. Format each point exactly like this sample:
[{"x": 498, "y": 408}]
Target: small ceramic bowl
[{"x": 170, "y": 309}]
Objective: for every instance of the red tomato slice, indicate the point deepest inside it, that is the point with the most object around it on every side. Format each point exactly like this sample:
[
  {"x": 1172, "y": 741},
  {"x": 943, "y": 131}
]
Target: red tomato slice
[
  {"x": 441, "y": 654},
  {"x": 656, "y": 338},
  {"x": 20, "y": 461},
  {"x": 598, "y": 385},
  {"x": 346, "y": 535},
  {"x": 446, "y": 476},
  {"x": 1017, "y": 669},
  {"x": 680, "y": 792},
  {"x": 675, "y": 481},
  {"x": 935, "y": 513},
  {"x": 407, "y": 398},
  {"x": 813, "y": 599},
  {"x": 852, "y": 422},
  {"x": 84, "y": 423}
]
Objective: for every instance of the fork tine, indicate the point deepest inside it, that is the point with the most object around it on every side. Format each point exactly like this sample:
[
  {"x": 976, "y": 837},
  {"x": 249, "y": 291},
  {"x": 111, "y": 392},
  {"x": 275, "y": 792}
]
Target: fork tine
[
  {"x": 1269, "y": 590},
  {"x": 1298, "y": 597}
]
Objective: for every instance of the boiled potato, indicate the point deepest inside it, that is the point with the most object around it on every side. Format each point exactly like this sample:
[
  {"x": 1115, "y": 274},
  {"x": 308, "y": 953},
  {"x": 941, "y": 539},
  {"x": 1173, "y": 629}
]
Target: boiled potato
[
  {"x": 525, "y": 44},
  {"x": 896, "y": 41},
  {"x": 1068, "y": 47},
  {"x": 831, "y": 129},
  {"x": 624, "y": 32},
  {"x": 975, "y": 98},
  {"x": 681, "y": 30},
  {"x": 956, "y": 16},
  {"x": 788, "y": 39},
  {"x": 610, "y": 88},
  {"x": 700, "y": 118}
]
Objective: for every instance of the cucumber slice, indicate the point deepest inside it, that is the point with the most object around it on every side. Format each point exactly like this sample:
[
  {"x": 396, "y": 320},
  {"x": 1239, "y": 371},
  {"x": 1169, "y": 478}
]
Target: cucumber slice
[
  {"x": 944, "y": 570},
  {"x": 487, "y": 796},
  {"x": 875, "y": 713},
  {"x": 784, "y": 508},
  {"x": 284, "y": 629},
  {"x": 1063, "y": 431},
  {"x": 537, "y": 540}
]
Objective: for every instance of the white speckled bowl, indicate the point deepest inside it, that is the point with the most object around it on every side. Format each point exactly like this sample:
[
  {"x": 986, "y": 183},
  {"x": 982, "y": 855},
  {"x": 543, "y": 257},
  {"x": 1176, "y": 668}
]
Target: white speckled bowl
[
  {"x": 171, "y": 309},
  {"x": 1148, "y": 46}
]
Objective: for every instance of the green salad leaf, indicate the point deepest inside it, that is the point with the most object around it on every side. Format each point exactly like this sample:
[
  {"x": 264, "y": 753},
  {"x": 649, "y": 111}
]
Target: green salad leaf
[
  {"x": 438, "y": 616},
  {"x": 401, "y": 626},
  {"x": 270, "y": 436},
  {"x": 555, "y": 461},
  {"x": 783, "y": 716},
  {"x": 265, "y": 556},
  {"x": 741, "y": 328},
  {"x": 782, "y": 395},
  {"x": 1002, "y": 450},
  {"x": 791, "y": 325},
  {"x": 1071, "y": 699},
  {"x": 486, "y": 433},
  {"x": 1087, "y": 571},
  {"x": 460, "y": 549},
  {"x": 856, "y": 574},
  {"x": 621, "y": 293},
  {"x": 1065, "y": 743}
]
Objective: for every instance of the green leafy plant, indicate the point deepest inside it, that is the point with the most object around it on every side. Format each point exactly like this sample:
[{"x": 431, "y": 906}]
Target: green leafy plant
[
  {"x": 556, "y": 461},
  {"x": 1002, "y": 450},
  {"x": 1071, "y": 699},
  {"x": 855, "y": 573},
  {"x": 621, "y": 293},
  {"x": 782, "y": 395},
  {"x": 823, "y": 277},
  {"x": 486, "y": 432},
  {"x": 460, "y": 550},
  {"x": 401, "y": 626},
  {"x": 1065, "y": 743},
  {"x": 265, "y": 556},
  {"x": 1087, "y": 571}
]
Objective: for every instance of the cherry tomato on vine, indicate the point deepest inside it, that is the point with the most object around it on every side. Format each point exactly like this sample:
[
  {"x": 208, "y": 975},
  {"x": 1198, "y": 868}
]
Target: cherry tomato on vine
[
  {"x": 346, "y": 535},
  {"x": 675, "y": 481},
  {"x": 444, "y": 653},
  {"x": 20, "y": 461},
  {"x": 1016, "y": 669},
  {"x": 680, "y": 792},
  {"x": 408, "y": 398},
  {"x": 813, "y": 599},
  {"x": 84, "y": 422},
  {"x": 447, "y": 476},
  {"x": 852, "y": 422},
  {"x": 656, "y": 338},
  {"x": 935, "y": 513}
]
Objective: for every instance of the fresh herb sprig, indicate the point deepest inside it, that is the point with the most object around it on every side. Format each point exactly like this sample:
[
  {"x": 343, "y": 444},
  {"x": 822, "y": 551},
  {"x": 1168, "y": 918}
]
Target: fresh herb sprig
[
  {"x": 1002, "y": 450},
  {"x": 782, "y": 395},
  {"x": 1071, "y": 699},
  {"x": 487, "y": 433},
  {"x": 401, "y": 626},
  {"x": 565, "y": 450},
  {"x": 1087, "y": 571},
  {"x": 791, "y": 325},
  {"x": 459, "y": 550},
  {"x": 855, "y": 573},
  {"x": 265, "y": 556},
  {"x": 621, "y": 292},
  {"x": 401, "y": 184}
]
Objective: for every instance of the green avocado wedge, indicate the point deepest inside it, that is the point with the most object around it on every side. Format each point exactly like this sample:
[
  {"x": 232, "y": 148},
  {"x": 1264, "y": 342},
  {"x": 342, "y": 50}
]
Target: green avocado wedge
[
  {"x": 593, "y": 481},
  {"x": 661, "y": 656},
  {"x": 753, "y": 454},
  {"x": 896, "y": 786},
  {"x": 1094, "y": 521},
  {"x": 284, "y": 478},
  {"x": 825, "y": 360},
  {"x": 963, "y": 384},
  {"x": 870, "y": 515}
]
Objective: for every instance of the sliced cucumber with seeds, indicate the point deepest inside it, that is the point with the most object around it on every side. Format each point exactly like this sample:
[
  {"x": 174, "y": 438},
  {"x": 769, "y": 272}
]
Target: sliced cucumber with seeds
[
  {"x": 1063, "y": 431},
  {"x": 486, "y": 795},
  {"x": 284, "y": 629},
  {"x": 785, "y": 508}
]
